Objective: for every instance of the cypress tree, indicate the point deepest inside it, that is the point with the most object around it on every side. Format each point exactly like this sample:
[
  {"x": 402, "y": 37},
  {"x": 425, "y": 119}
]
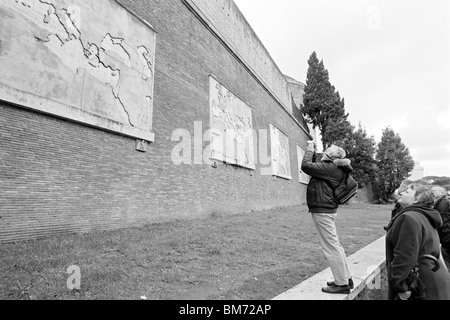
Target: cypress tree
[
  {"x": 361, "y": 150},
  {"x": 394, "y": 162},
  {"x": 322, "y": 105}
]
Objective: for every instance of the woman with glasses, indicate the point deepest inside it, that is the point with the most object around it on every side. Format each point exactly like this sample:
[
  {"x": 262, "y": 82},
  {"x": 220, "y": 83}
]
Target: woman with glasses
[{"x": 413, "y": 249}]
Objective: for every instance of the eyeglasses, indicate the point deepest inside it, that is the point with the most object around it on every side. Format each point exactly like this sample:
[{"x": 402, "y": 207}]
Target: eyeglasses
[{"x": 404, "y": 190}]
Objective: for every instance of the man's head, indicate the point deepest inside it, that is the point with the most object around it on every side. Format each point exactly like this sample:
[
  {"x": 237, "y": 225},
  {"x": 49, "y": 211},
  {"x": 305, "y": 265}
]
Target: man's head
[
  {"x": 333, "y": 153},
  {"x": 439, "y": 192}
]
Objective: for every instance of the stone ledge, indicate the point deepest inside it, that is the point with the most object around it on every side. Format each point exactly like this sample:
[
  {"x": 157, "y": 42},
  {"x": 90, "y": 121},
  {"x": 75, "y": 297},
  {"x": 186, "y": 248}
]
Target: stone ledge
[{"x": 365, "y": 266}]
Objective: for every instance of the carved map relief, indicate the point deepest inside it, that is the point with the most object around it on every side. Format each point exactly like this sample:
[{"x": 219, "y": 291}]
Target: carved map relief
[
  {"x": 91, "y": 61},
  {"x": 281, "y": 162},
  {"x": 231, "y": 127},
  {"x": 304, "y": 178}
]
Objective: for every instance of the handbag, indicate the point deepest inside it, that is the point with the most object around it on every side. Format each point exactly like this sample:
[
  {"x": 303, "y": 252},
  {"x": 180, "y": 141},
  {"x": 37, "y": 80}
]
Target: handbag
[{"x": 414, "y": 283}]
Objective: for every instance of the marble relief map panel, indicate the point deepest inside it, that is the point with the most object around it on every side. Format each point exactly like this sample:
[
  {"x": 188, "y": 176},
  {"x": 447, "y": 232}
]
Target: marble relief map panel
[
  {"x": 90, "y": 61},
  {"x": 231, "y": 127},
  {"x": 281, "y": 162},
  {"x": 304, "y": 178}
]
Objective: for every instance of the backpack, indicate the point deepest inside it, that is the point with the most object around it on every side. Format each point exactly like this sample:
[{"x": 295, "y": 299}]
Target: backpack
[{"x": 346, "y": 189}]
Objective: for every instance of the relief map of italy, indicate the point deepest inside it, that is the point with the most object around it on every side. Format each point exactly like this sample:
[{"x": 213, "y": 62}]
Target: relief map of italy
[{"x": 89, "y": 55}]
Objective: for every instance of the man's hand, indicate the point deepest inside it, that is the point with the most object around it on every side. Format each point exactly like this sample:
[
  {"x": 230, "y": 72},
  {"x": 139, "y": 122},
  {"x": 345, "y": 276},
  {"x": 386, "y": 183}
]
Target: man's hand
[{"x": 311, "y": 146}]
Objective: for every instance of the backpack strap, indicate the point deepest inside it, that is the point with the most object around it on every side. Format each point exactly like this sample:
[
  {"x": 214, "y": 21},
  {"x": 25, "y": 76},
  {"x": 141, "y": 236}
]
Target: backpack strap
[{"x": 334, "y": 189}]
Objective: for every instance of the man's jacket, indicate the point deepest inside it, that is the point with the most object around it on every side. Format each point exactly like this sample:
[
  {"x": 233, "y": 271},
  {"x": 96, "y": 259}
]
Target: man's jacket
[{"x": 325, "y": 177}]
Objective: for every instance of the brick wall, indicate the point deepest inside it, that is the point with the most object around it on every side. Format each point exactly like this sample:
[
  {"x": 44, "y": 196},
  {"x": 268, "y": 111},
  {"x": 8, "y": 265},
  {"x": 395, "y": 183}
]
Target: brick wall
[
  {"x": 226, "y": 20},
  {"x": 377, "y": 289},
  {"x": 58, "y": 176}
]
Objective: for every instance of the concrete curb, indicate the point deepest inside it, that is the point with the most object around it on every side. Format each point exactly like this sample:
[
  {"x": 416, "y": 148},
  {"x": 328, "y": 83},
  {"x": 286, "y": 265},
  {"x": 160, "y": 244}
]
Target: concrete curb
[{"x": 365, "y": 265}]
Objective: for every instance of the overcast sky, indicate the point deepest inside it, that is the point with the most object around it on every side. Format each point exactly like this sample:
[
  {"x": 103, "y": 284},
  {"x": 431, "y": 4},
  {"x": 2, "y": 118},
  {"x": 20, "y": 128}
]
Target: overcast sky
[{"x": 389, "y": 59}]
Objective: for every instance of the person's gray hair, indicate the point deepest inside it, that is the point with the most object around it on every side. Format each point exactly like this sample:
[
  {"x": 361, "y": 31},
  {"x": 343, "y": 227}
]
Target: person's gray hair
[
  {"x": 439, "y": 191},
  {"x": 335, "y": 152},
  {"x": 423, "y": 195}
]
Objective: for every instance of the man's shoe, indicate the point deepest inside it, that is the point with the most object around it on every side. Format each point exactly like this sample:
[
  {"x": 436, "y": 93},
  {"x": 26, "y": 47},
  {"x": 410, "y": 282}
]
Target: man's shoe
[
  {"x": 350, "y": 283},
  {"x": 335, "y": 289}
]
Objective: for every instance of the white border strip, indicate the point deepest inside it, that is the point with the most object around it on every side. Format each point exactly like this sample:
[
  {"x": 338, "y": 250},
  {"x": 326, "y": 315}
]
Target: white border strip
[{"x": 29, "y": 101}]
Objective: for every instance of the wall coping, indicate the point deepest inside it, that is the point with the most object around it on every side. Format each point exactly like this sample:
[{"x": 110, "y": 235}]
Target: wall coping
[
  {"x": 364, "y": 265},
  {"x": 277, "y": 96}
]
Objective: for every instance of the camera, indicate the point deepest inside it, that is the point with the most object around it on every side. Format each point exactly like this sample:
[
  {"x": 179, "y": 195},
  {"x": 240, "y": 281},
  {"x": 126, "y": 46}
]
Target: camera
[{"x": 310, "y": 142}]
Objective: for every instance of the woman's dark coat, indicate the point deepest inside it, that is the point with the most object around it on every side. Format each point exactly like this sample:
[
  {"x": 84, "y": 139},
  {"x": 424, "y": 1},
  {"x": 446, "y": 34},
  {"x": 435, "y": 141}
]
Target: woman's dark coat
[
  {"x": 412, "y": 234},
  {"x": 325, "y": 177},
  {"x": 443, "y": 207}
]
